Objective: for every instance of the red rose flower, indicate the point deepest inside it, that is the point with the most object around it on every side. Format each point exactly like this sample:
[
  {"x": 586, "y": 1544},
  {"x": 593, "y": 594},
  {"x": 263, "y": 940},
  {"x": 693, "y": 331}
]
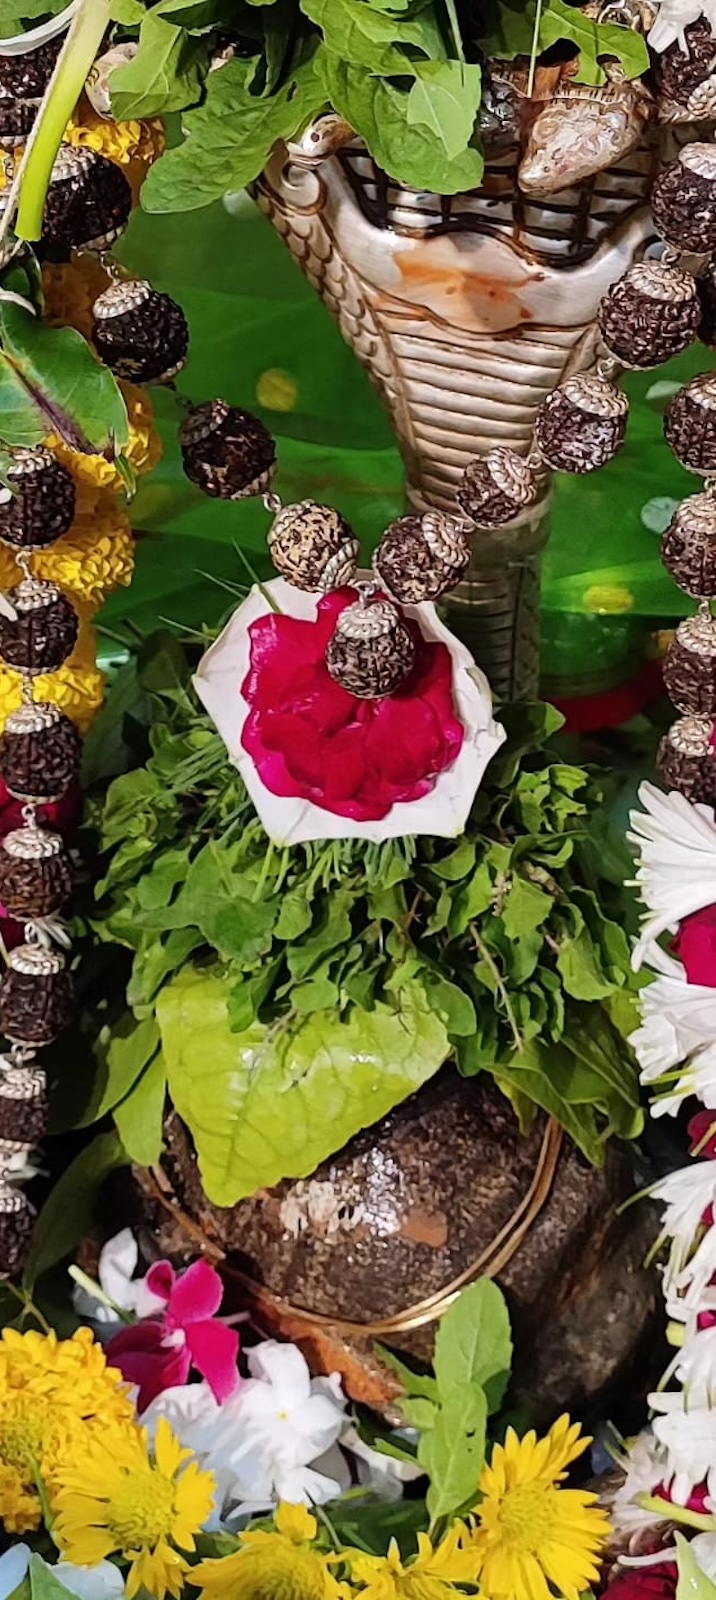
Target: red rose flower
[
  {"x": 644, "y": 1583},
  {"x": 703, "y": 1140},
  {"x": 311, "y": 740},
  {"x": 695, "y": 945}
]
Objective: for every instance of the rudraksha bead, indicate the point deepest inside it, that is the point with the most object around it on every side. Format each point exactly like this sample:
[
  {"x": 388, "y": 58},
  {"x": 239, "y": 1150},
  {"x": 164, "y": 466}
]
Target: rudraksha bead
[
  {"x": 690, "y": 424},
  {"x": 686, "y": 759},
  {"x": 581, "y": 424},
  {"x": 35, "y": 873},
  {"x": 313, "y": 547},
  {"x": 16, "y": 1225},
  {"x": 44, "y": 631},
  {"x": 40, "y": 753},
  {"x": 650, "y": 315},
  {"x": 688, "y": 548},
  {"x": 706, "y": 286},
  {"x": 372, "y": 651},
  {"x": 683, "y": 200},
  {"x": 35, "y": 996},
  {"x": 690, "y": 667},
  {"x": 23, "y": 1105},
  {"x": 38, "y": 505},
  {"x": 227, "y": 452},
  {"x": 140, "y": 334},
  {"x": 687, "y": 78},
  {"x": 88, "y": 202},
  {"x": 16, "y": 119},
  {"x": 26, "y": 76},
  {"x": 420, "y": 557},
  {"x": 496, "y": 487}
]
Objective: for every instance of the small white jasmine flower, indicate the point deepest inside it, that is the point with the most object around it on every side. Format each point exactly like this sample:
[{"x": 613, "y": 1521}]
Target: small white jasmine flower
[{"x": 676, "y": 841}]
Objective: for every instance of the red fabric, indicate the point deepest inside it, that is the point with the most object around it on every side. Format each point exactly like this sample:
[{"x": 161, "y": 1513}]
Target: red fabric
[
  {"x": 159, "y": 1352},
  {"x": 311, "y": 740},
  {"x": 644, "y": 1583},
  {"x": 588, "y": 713},
  {"x": 62, "y": 815}
]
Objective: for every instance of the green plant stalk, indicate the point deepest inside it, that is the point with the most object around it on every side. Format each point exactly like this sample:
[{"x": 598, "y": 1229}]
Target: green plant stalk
[{"x": 80, "y": 48}]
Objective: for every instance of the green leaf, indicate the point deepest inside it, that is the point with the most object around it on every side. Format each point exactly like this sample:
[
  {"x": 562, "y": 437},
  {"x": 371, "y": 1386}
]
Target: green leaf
[
  {"x": 593, "y": 40},
  {"x": 473, "y": 1347},
  {"x": 68, "y": 1212},
  {"x": 164, "y": 75},
  {"x": 452, "y": 1453},
  {"x": 419, "y": 1413},
  {"x": 525, "y": 908},
  {"x": 371, "y": 38},
  {"x": 121, "y": 1057},
  {"x": 51, "y": 375},
  {"x": 445, "y": 98},
  {"x": 266, "y": 1104},
  {"x": 229, "y": 138},
  {"x": 693, "y": 1583},
  {"x": 580, "y": 969},
  {"x": 140, "y": 1116},
  {"x": 377, "y": 109},
  {"x": 414, "y": 1383},
  {"x": 43, "y": 1583}
]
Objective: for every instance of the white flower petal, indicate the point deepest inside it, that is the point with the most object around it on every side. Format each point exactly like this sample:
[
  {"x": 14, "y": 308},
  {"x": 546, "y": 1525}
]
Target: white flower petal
[
  {"x": 13, "y": 1568},
  {"x": 284, "y": 1367},
  {"x": 674, "y": 16},
  {"x": 688, "y": 1433},
  {"x": 703, "y": 1547},
  {"x": 101, "y": 1582},
  {"x": 304, "y": 1486},
  {"x": 117, "y": 1265},
  {"x": 443, "y": 812},
  {"x": 676, "y": 841}
]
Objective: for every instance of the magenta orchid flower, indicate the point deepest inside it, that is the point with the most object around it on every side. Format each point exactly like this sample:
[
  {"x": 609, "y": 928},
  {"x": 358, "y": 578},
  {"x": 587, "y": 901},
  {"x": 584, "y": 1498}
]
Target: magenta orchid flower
[{"x": 158, "y": 1352}]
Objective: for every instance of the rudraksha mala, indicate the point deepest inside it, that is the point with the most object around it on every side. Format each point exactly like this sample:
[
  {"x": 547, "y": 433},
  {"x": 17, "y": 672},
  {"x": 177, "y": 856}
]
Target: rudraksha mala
[{"x": 140, "y": 335}]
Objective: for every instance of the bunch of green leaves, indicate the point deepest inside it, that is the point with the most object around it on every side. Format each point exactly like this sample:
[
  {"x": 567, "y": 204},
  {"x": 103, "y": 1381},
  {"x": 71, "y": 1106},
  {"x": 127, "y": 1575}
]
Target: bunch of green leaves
[
  {"x": 405, "y": 75},
  {"x": 290, "y": 996}
]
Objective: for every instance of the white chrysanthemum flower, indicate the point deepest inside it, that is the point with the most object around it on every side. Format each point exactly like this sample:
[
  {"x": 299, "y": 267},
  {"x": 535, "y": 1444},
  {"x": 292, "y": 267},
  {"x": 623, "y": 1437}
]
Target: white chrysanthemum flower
[
  {"x": 645, "y": 1464},
  {"x": 674, "y": 17},
  {"x": 678, "y": 1019},
  {"x": 694, "y": 1366},
  {"x": 677, "y": 870},
  {"x": 687, "y": 1195},
  {"x": 698, "y": 1080},
  {"x": 688, "y": 1273},
  {"x": 688, "y": 1434}
]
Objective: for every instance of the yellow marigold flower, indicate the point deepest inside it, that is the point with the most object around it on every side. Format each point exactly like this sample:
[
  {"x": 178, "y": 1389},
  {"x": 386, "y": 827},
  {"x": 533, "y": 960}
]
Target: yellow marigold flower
[
  {"x": 70, "y": 289},
  {"x": 90, "y": 561},
  {"x": 56, "y": 1395},
  {"x": 133, "y": 145},
  {"x": 430, "y": 1575},
  {"x": 77, "y": 687},
  {"x": 280, "y": 1564},
  {"x": 533, "y": 1538},
  {"x": 117, "y": 1500},
  {"x": 143, "y": 449}
]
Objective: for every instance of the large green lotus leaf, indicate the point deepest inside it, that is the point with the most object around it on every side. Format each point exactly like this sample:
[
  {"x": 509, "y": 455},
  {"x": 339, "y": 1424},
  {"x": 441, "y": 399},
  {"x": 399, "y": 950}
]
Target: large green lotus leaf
[{"x": 264, "y": 1104}]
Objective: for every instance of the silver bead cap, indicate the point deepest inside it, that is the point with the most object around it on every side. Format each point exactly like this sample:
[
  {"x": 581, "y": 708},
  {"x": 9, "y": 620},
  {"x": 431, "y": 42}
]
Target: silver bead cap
[
  {"x": 22, "y": 1083},
  {"x": 671, "y": 285},
  {"x": 512, "y": 475},
  {"x": 33, "y": 594},
  {"x": 700, "y": 159},
  {"x": 691, "y": 736},
  {"x": 444, "y": 537},
  {"x": 10, "y": 1149},
  {"x": 592, "y": 394},
  {"x": 698, "y": 635},
  {"x": 32, "y": 844},
  {"x": 27, "y": 462},
  {"x": 364, "y": 622},
  {"x": 12, "y": 1201},
  {"x": 34, "y": 961},
  {"x": 120, "y": 298},
  {"x": 33, "y": 716},
  {"x": 701, "y": 390},
  {"x": 203, "y": 422},
  {"x": 72, "y": 161}
]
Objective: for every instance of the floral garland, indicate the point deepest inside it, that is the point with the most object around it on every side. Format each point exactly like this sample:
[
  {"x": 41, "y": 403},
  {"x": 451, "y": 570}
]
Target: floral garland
[{"x": 253, "y": 1481}]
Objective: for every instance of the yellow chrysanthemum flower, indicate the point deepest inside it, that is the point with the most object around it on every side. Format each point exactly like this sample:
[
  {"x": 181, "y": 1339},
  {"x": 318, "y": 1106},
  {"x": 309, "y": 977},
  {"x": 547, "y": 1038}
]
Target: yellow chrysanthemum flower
[
  {"x": 533, "y": 1538},
  {"x": 280, "y": 1564},
  {"x": 430, "y": 1575},
  {"x": 117, "y": 1500},
  {"x": 143, "y": 449},
  {"x": 70, "y": 289},
  {"x": 133, "y": 145},
  {"x": 56, "y": 1395},
  {"x": 88, "y": 563},
  {"x": 77, "y": 687}
]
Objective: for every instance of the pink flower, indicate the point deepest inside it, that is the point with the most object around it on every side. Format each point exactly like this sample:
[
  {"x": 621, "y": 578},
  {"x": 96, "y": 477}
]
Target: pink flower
[
  {"x": 695, "y": 945},
  {"x": 311, "y": 740},
  {"x": 702, "y": 1133},
  {"x": 158, "y": 1353}
]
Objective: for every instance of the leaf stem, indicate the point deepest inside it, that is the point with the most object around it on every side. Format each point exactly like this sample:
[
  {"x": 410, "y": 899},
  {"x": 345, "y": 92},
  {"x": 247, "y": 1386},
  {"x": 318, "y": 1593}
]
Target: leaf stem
[
  {"x": 66, "y": 85},
  {"x": 534, "y": 51},
  {"x": 483, "y": 951},
  {"x": 451, "y": 9}
]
